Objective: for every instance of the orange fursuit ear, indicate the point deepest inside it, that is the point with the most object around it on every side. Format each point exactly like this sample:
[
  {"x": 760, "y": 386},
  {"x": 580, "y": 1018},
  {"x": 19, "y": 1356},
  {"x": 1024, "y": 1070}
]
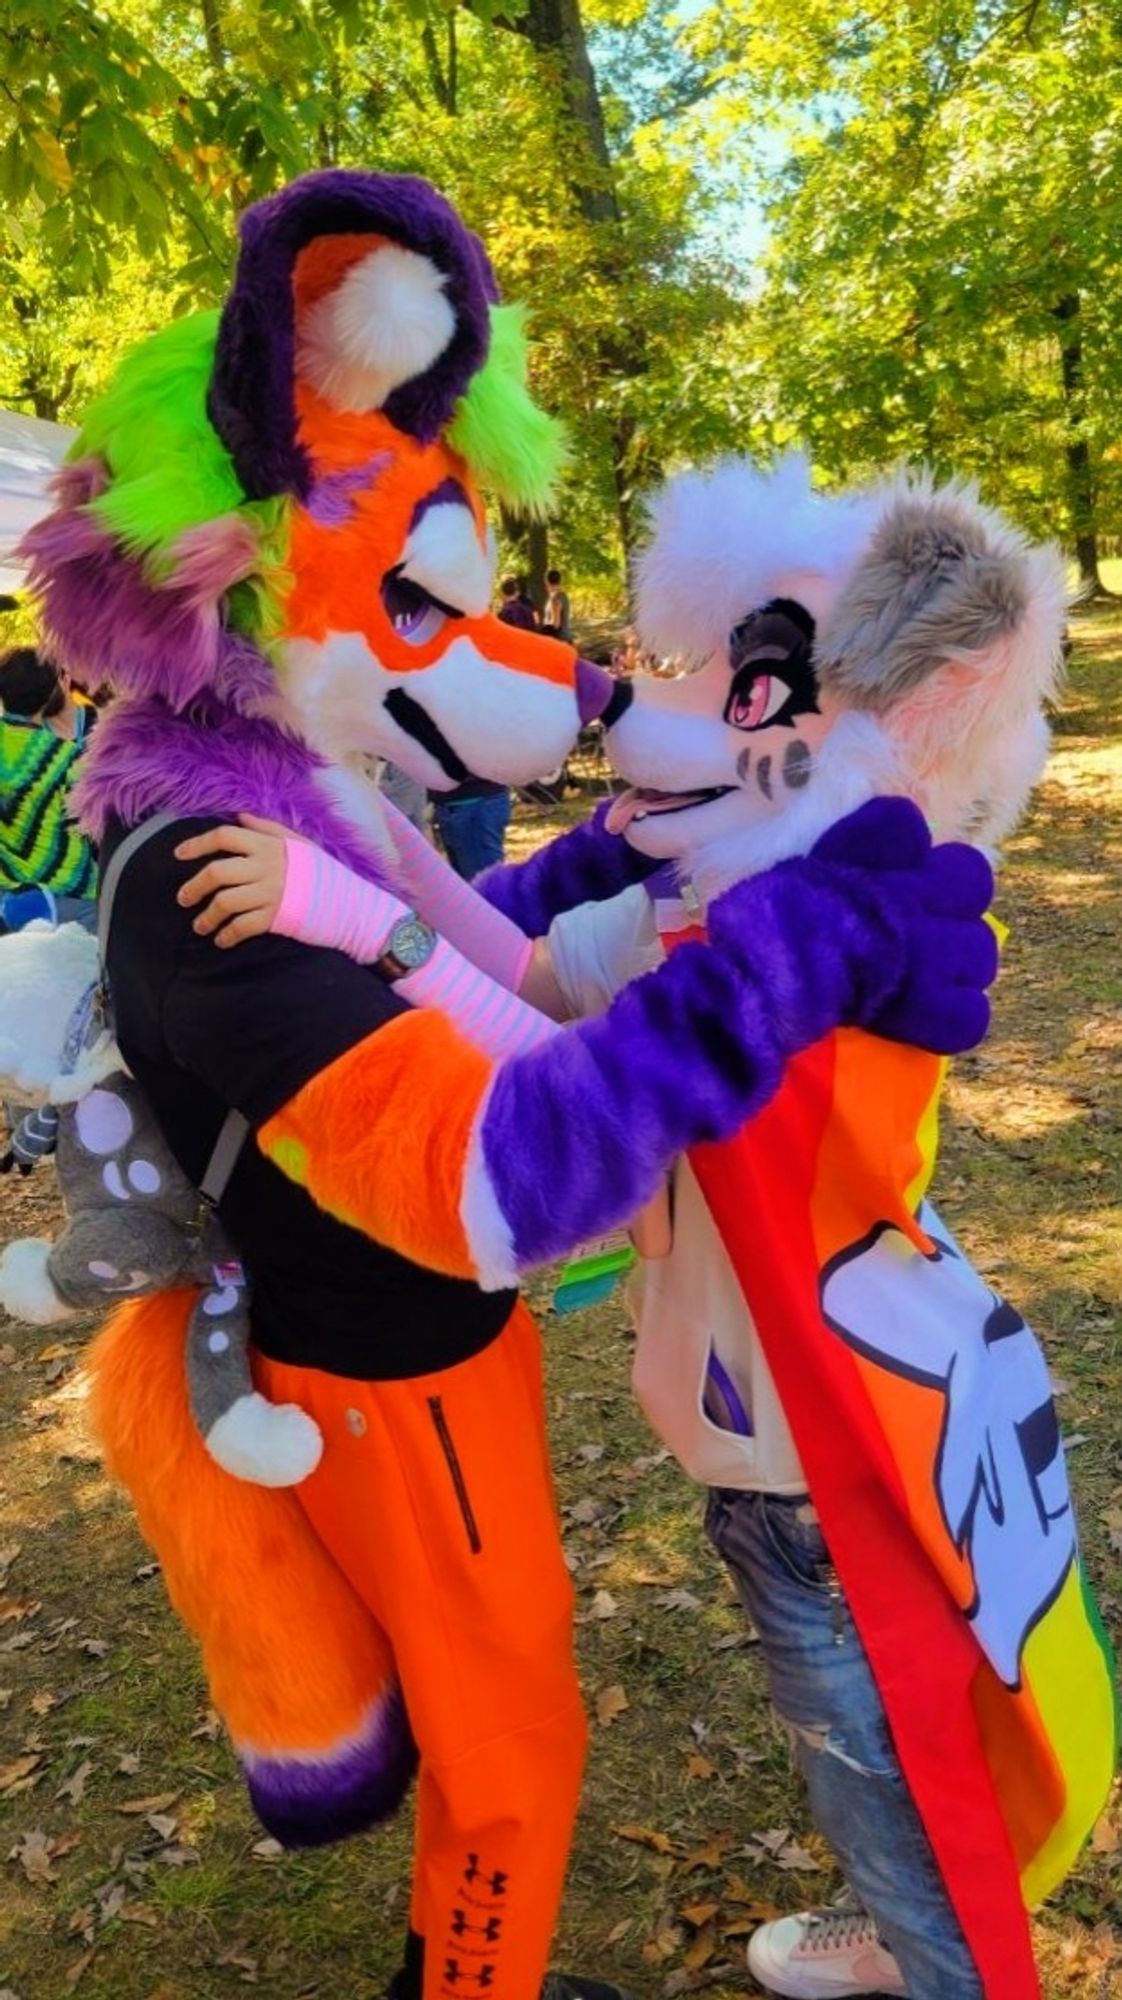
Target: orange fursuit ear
[
  {"x": 294, "y": 1660},
  {"x": 381, "y": 1138}
]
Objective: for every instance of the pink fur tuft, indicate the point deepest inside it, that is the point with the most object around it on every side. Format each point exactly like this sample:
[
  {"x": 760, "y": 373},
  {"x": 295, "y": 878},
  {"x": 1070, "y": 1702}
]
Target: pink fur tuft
[
  {"x": 76, "y": 485},
  {"x": 208, "y": 560}
]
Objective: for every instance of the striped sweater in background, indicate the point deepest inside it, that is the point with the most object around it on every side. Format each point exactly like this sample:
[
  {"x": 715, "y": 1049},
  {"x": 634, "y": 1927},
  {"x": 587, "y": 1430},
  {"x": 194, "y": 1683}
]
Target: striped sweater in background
[{"x": 39, "y": 844}]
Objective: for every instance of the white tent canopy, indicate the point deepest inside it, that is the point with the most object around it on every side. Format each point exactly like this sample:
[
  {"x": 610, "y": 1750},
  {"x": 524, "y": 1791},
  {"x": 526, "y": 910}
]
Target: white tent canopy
[{"x": 30, "y": 451}]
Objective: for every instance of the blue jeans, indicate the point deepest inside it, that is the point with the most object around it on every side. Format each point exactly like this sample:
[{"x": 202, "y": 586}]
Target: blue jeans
[
  {"x": 473, "y": 831},
  {"x": 824, "y": 1691}
]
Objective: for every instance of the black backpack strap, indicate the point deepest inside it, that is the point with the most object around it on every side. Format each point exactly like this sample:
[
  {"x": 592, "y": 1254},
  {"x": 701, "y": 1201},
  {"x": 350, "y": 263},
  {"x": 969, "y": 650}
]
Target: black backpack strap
[
  {"x": 111, "y": 876},
  {"x": 235, "y": 1126}
]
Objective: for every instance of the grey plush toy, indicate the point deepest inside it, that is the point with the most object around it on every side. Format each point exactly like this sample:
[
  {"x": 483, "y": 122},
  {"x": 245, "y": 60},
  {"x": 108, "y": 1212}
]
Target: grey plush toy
[{"x": 135, "y": 1222}]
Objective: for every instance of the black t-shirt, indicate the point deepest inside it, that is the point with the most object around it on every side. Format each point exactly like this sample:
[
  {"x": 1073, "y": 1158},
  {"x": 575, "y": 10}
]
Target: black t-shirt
[{"x": 205, "y": 1031}]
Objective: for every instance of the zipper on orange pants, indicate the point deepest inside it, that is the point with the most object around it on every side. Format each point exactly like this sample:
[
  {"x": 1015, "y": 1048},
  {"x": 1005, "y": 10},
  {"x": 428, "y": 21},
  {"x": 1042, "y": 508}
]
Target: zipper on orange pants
[{"x": 475, "y": 1540}]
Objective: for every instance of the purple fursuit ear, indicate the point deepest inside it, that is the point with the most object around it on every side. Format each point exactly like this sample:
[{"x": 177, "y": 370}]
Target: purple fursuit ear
[{"x": 252, "y": 394}]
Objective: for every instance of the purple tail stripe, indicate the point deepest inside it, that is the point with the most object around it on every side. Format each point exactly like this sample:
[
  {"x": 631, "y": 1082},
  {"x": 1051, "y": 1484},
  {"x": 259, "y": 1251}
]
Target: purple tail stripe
[{"x": 310, "y": 1804}]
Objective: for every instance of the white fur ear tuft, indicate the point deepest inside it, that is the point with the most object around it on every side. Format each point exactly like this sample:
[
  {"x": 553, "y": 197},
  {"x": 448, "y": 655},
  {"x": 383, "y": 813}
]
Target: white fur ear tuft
[
  {"x": 26, "y": 1290},
  {"x": 384, "y": 324}
]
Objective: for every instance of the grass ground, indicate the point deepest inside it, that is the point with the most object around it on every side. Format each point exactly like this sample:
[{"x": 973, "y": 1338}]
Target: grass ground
[{"x": 129, "y": 1866}]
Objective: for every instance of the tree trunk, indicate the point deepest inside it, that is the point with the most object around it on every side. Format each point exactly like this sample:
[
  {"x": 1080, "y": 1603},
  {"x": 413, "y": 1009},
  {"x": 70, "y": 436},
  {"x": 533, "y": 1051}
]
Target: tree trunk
[
  {"x": 531, "y": 541},
  {"x": 555, "y": 28},
  {"x": 1080, "y": 471}
]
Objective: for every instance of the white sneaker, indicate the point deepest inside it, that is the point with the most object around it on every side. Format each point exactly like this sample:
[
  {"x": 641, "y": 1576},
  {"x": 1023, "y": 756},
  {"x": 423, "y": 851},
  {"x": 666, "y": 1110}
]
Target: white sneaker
[{"x": 823, "y": 1955}]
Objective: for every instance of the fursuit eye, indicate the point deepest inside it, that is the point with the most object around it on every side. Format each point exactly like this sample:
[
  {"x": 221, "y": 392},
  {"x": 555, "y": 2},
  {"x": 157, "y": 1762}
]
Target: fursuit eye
[
  {"x": 773, "y": 677},
  {"x": 757, "y": 701},
  {"x": 416, "y": 616}
]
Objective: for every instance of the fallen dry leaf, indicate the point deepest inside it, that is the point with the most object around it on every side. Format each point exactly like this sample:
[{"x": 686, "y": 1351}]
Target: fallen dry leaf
[
  {"x": 645, "y": 1836},
  {"x": 73, "y": 1787},
  {"x": 711, "y": 1855},
  {"x": 79, "y": 1966},
  {"x": 1105, "y": 1839},
  {"x": 611, "y": 1702},
  {"x": 42, "y": 1703},
  {"x": 699, "y": 1953},
  {"x": 603, "y": 1605},
  {"x": 22, "y": 1767},
  {"x": 139, "y": 1807},
  {"x": 698, "y": 1914},
  {"x": 699, "y": 1767},
  {"x": 678, "y": 1600},
  {"x": 34, "y": 1856},
  {"x": 13, "y": 1610}
]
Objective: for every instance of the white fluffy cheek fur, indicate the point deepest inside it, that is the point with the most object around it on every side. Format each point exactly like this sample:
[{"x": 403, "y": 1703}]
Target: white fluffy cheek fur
[
  {"x": 503, "y": 724},
  {"x": 854, "y": 762},
  {"x": 506, "y": 724},
  {"x": 670, "y": 751}
]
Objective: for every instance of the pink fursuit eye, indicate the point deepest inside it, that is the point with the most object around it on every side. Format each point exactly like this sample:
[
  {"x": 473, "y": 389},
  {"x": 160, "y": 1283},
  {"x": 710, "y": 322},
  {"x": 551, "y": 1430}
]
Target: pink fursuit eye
[{"x": 758, "y": 702}]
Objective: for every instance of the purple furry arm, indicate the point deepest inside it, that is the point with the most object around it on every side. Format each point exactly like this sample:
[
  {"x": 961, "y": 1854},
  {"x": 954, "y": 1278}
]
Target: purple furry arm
[
  {"x": 876, "y": 928},
  {"x": 577, "y": 1134},
  {"x": 585, "y": 866}
]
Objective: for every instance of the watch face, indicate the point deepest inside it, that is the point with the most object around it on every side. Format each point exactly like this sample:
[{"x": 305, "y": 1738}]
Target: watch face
[{"x": 412, "y": 942}]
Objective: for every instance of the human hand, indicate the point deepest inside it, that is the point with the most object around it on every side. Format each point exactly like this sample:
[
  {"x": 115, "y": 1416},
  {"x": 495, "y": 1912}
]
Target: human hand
[{"x": 239, "y": 892}]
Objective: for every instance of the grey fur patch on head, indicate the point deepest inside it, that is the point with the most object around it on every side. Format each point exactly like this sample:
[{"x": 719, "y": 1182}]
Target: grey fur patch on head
[{"x": 943, "y": 579}]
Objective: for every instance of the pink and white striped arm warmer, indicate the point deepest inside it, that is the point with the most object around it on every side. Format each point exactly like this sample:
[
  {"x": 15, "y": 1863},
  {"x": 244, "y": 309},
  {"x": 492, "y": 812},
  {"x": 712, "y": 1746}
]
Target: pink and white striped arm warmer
[
  {"x": 325, "y": 904},
  {"x": 455, "y": 909}
]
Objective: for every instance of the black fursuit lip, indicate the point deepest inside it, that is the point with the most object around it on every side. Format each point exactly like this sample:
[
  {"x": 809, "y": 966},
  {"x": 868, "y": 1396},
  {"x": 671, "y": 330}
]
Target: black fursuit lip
[{"x": 418, "y": 723}]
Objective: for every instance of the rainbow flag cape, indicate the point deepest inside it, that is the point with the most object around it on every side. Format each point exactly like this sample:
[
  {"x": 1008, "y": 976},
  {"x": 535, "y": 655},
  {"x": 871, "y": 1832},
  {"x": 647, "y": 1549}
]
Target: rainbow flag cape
[{"x": 921, "y": 1407}]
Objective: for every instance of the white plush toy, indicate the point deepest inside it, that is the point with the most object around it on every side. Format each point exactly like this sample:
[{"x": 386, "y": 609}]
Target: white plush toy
[{"x": 135, "y": 1224}]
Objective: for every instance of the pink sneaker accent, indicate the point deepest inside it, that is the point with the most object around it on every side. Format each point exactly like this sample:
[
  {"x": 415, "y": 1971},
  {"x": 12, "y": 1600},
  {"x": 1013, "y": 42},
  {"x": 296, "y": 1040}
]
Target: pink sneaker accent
[{"x": 823, "y": 1955}]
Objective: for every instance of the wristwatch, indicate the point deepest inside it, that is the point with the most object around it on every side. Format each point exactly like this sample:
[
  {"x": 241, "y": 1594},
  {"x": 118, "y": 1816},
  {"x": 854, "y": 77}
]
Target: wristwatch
[{"x": 410, "y": 945}]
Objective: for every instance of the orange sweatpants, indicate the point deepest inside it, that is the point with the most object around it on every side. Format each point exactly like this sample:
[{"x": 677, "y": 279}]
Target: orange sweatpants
[{"x": 435, "y": 1498}]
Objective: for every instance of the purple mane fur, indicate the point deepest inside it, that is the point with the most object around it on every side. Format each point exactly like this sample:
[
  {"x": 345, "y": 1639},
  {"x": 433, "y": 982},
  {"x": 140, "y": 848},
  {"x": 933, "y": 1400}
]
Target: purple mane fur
[
  {"x": 106, "y": 618},
  {"x": 252, "y": 394},
  {"x": 215, "y": 760}
]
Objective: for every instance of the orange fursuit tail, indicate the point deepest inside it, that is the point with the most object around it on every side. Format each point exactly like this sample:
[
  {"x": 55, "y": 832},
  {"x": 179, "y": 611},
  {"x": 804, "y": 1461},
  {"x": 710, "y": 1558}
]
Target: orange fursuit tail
[{"x": 298, "y": 1668}]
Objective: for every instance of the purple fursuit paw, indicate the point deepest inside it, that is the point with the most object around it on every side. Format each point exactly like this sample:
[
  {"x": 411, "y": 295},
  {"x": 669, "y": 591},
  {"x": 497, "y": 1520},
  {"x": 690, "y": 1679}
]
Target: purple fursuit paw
[
  {"x": 942, "y": 895},
  {"x": 587, "y": 865}
]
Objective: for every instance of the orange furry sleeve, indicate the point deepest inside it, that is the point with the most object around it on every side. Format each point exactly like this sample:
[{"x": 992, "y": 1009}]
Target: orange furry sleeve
[{"x": 381, "y": 1138}]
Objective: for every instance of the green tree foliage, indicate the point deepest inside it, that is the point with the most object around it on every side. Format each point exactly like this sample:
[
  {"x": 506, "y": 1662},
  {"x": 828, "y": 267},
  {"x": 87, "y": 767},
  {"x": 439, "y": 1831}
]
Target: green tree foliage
[
  {"x": 130, "y": 140},
  {"x": 943, "y": 279},
  {"x": 941, "y": 181}
]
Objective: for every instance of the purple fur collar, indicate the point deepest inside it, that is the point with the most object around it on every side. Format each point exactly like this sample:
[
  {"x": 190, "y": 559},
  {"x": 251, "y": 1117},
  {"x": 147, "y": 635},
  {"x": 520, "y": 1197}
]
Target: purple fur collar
[{"x": 213, "y": 760}]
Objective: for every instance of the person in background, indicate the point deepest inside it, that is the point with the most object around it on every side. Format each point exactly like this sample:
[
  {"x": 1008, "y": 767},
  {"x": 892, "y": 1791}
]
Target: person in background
[
  {"x": 527, "y": 602},
  {"x": 627, "y": 659},
  {"x": 516, "y": 607},
  {"x": 472, "y": 824},
  {"x": 406, "y": 794},
  {"x": 40, "y": 846},
  {"x": 75, "y": 717},
  {"x": 557, "y": 617}
]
